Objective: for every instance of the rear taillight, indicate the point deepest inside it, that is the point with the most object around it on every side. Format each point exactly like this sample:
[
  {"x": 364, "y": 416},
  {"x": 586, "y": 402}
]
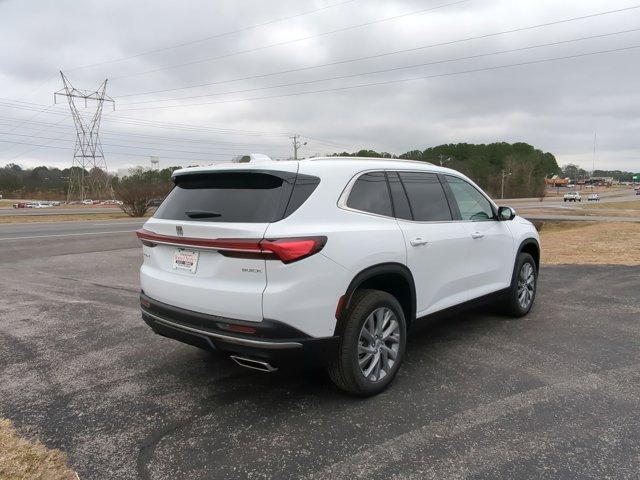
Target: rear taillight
[
  {"x": 292, "y": 249},
  {"x": 285, "y": 249}
]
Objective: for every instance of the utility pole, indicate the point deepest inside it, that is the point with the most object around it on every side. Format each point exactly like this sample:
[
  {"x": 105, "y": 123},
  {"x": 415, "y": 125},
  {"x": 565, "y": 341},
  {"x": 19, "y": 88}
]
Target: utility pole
[
  {"x": 595, "y": 136},
  {"x": 296, "y": 145},
  {"x": 504, "y": 174},
  {"x": 88, "y": 152},
  {"x": 442, "y": 162}
]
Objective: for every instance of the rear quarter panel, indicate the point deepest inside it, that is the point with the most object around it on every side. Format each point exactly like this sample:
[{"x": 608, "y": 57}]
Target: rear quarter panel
[{"x": 305, "y": 294}]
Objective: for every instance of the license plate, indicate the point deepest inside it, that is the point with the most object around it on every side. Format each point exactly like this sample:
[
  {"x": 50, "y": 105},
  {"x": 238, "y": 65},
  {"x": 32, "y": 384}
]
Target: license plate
[{"x": 185, "y": 260}]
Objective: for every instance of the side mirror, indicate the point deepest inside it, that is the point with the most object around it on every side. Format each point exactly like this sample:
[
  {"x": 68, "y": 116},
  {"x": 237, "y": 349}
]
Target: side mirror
[{"x": 506, "y": 213}]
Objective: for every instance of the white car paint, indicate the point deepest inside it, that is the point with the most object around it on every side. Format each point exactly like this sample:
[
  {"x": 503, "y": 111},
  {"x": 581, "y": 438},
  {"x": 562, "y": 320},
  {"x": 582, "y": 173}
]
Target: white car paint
[{"x": 459, "y": 261}]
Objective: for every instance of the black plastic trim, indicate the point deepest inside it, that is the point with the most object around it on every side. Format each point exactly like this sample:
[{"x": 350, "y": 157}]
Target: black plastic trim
[
  {"x": 531, "y": 241},
  {"x": 275, "y": 342},
  {"x": 468, "y": 305},
  {"x": 371, "y": 272},
  {"x": 266, "y": 329}
]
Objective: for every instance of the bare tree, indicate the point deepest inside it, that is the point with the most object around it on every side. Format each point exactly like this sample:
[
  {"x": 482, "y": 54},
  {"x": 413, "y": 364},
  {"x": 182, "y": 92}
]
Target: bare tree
[{"x": 139, "y": 189}]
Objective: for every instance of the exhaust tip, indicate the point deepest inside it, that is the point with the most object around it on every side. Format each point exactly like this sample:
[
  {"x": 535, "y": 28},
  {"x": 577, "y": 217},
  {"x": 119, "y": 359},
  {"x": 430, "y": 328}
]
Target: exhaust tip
[{"x": 253, "y": 364}]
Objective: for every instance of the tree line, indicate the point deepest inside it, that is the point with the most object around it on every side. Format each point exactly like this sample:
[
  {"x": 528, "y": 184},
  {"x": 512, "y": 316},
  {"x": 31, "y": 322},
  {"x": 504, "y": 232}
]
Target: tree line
[
  {"x": 522, "y": 166},
  {"x": 49, "y": 183},
  {"x": 575, "y": 173}
]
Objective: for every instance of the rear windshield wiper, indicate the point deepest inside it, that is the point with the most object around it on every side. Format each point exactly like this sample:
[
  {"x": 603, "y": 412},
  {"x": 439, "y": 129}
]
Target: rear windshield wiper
[{"x": 201, "y": 214}]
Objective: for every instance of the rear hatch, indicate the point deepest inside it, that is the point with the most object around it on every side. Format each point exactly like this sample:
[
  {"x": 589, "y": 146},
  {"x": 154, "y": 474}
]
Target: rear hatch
[{"x": 201, "y": 248}]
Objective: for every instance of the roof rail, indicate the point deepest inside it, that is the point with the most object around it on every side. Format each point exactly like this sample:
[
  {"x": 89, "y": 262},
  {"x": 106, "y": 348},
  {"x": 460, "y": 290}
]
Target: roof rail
[{"x": 315, "y": 159}]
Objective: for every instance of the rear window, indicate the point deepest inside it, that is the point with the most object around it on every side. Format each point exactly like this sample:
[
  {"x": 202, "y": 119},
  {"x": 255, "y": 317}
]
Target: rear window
[
  {"x": 371, "y": 194},
  {"x": 238, "y": 197}
]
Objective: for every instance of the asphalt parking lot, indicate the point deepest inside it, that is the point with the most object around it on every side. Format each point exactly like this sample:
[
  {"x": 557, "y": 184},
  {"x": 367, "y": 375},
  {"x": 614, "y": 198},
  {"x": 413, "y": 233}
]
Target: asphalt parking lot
[{"x": 553, "y": 395}]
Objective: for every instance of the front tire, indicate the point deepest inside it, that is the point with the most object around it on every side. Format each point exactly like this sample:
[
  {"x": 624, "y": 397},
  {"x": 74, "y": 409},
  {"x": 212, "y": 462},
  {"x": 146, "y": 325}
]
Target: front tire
[
  {"x": 522, "y": 291},
  {"x": 372, "y": 344}
]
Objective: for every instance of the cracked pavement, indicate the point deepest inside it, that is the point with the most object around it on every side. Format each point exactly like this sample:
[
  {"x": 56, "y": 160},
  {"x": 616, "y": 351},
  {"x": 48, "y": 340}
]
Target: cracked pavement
[{"x": 553, "y": 395}]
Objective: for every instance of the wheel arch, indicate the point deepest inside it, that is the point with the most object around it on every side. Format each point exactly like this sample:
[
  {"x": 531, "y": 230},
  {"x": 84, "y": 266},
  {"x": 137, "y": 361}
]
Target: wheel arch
[
  {"x": 393, "y": 278},
  {"x": 532, "y": 247}
]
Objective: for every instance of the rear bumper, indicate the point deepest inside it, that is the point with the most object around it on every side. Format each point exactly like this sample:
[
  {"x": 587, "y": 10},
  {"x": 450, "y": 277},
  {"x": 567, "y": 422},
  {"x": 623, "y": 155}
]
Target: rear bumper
[{"x": 271, "y": 341}]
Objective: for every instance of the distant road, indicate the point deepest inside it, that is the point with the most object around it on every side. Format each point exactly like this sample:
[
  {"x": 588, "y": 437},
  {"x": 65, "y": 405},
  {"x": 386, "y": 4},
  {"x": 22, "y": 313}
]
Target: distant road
[
  {"x": 581, "y": 218},
  {"x": 44, "y": 239},
  {"x": 558, "y": 202},
  {"x": 86, "y": 228}
]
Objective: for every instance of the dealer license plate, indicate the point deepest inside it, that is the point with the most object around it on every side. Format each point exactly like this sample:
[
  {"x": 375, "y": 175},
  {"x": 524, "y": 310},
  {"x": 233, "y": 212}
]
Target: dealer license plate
[{"x": 185, "y": 260}]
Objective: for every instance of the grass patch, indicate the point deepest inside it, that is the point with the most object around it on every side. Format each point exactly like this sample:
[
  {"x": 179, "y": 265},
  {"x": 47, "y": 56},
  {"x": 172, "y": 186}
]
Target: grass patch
[
  {"x": 628, "y": 205},
  {"x": 590, "y": 243},
  {"x": 62, "y": 217},
  {"x": 21, "y": 459}
]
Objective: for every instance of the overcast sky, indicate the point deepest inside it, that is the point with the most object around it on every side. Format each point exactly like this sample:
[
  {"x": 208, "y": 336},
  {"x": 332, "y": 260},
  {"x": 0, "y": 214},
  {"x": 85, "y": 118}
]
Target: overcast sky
[{"x": 146, "y": 46}]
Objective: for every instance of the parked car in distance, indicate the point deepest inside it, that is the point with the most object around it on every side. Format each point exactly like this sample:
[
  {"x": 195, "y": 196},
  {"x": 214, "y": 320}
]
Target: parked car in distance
[
  {"x": 327, "y": 260},
  {"x": 20, "y": 205},
  {"x": 87, "y": 202},
  {"x": 638, "y": 191},
  {"x": 593, "y": 197},
  {"x": 572, "y": 197}
]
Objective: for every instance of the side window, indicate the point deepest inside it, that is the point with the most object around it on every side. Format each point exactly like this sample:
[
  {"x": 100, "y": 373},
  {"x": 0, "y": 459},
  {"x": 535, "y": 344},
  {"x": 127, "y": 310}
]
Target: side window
[
  {"x": 471, "y": 203},
  {"x": 426, "y": 197},
  {"x": 371, "y": 194}
]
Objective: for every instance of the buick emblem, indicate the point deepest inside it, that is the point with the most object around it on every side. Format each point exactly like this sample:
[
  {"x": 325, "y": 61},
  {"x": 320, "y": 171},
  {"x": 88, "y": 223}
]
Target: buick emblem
[{"x": 179, "y": 230}]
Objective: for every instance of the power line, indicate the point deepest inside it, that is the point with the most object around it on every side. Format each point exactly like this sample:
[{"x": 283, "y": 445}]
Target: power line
[
  {"x": 213, "y": 37},
  {"x": 143, "y": 122},
  {"x": 402, "y": 80},
  {"x": 386, "y": 70},
  {"x": 29, "y": 150},
  {"x": 133, "y": 146},
  {"x": 126, "y": 154},
  {"x": 287, "y": 42},
  {"x": 174, "y": 140},
  {"x": 394, "y": 52}
]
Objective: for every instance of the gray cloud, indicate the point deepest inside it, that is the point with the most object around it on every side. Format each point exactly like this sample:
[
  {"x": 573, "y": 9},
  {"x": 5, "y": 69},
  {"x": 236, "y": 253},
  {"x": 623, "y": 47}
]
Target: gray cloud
[{"x": 555, "y": 106}]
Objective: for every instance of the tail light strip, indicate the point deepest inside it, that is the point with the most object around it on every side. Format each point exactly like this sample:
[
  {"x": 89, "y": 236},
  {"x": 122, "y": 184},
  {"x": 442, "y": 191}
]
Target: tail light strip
[{"x": 286, "y": 249}]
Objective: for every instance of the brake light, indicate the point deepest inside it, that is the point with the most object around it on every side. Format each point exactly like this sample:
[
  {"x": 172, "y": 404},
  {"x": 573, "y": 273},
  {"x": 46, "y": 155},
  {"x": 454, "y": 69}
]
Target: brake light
[
  {"x": 292, "y": 249},
  {"x": 286, "y": 249}
]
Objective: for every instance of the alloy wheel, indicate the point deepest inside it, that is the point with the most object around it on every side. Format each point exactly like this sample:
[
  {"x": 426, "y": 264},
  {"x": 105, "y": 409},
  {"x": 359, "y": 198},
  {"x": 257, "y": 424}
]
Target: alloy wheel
[
  {"x": 378, "y": 344},
  {"x": 526, "y": 285}
]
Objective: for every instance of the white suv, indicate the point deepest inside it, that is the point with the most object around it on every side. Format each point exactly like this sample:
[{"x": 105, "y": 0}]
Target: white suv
[{"x": 327, "y": 259}]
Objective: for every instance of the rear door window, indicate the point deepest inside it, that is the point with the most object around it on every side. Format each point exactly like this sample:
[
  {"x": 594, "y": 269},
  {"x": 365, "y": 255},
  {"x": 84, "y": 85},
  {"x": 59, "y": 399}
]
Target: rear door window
[
  {"x": 237, "y": 197},
  {"x": 426, "y": 197},
  {"x": 370, "y": 194}
]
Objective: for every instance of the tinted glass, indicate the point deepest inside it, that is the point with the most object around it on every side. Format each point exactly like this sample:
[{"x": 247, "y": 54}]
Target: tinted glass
[
  {"x": 426, "y": 196},
  {"x": 371, "y": 194},
  {"x": 225, "y": 197},
  {"x": 471, "y": 203},
  {"x": 304, "y": 187},
  {"x": 400, "y": 203}
]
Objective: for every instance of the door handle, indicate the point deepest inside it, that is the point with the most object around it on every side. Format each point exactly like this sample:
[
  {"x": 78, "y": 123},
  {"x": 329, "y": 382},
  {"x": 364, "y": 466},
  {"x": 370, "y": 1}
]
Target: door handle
[
  {"x": 416, "y": 242},
  {"x": 477, "y": 235}
]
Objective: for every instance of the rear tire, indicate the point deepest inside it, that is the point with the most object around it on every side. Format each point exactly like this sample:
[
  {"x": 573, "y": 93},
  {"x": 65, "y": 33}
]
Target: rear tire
[
  {"x": 524, "y": 282},
  {"x": 372, "y": 344}
]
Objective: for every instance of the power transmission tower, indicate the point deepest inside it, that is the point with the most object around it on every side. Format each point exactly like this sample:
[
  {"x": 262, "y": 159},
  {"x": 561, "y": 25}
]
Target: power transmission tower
[
  {"x": 89, "y": 169},
  {"x": 296, "y": 145}
]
